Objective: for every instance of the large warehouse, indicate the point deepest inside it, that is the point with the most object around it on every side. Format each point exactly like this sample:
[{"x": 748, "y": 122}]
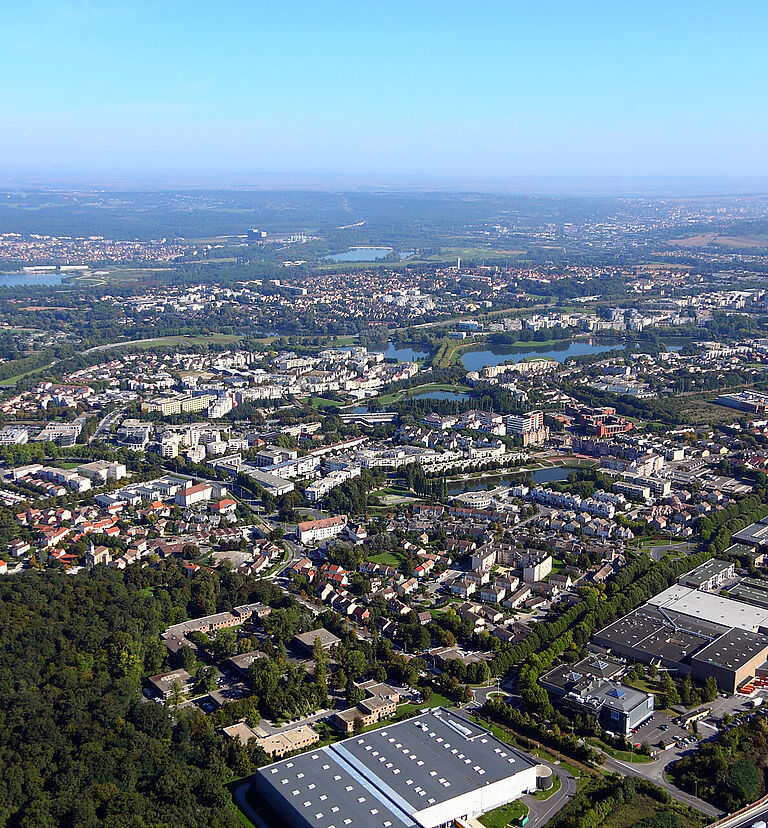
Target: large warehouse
[
  {"x": 423, "y": 772},
  {"x": 694, "y": 632}
]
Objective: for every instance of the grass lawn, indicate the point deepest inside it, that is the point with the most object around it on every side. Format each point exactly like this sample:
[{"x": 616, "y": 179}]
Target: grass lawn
[
  {"x": 543, "y": 795},
  {"x": 11, "y": 381},
  {"x": 321, "y": 402},
  {"x": 503, "y": 816},
  {"x": 623, "y": 755},
  {"x": 436, "y": 700},
  {"x": 386, "y": 558}
]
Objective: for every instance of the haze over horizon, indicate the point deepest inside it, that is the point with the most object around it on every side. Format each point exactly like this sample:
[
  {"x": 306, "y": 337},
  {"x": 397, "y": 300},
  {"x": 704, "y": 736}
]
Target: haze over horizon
[{"x": 512, "y": 97}]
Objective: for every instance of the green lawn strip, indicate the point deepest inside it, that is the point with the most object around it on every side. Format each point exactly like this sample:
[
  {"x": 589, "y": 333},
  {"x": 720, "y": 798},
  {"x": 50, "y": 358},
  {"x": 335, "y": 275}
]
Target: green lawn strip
[
  {"x": 544, "y": 795},
  {"x": 505, "y": 815},
  {"x": 622, "y": 755},
  {"x": 516, "y": 740}
]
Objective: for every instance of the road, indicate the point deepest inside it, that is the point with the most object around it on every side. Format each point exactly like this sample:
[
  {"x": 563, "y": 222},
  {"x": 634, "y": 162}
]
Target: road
[
  {"x": 654, "y": 771},
  {"x": 748, "y": 819},
  {"x": 541, "y": 811},
  {"x": 106, "y": 423}
]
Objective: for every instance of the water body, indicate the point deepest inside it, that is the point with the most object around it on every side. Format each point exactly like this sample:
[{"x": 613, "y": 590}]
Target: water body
[
  {"x": 404, "y": 354},
  {"x": 477, "y": 360},
  {"x": 479, "y": 484},
  {"x": 439, "y": 395},
  {"x": 365, "y": 254},
  {"x": 420, "y": 395},
  {"x": 19, "y": 279}
]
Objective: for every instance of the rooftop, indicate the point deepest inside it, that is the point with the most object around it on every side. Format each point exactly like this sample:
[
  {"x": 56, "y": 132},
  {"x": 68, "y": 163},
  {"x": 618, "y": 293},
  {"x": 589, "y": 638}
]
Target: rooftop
[
  {"x": 384, "y": 778},
  {"x": 705, "y": 606},
  {"x": 709, "y": 569},
  {"x": 734, "y": 649}
]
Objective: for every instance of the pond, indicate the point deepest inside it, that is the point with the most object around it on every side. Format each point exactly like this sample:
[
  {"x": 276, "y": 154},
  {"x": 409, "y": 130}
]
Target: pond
[
  {"x": 401, "y": 354},
  {"x": 365, "y": 254},
  {"x": 460, "y": 396},
  {"x": 477, "y": 360},
  {"x": 19, "y": 279},
  {"x": 478, "y": 484}
]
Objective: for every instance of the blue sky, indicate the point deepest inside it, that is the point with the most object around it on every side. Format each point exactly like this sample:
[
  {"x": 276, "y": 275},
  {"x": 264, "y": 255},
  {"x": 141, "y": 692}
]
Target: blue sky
[{"x": 383, "y": 87}]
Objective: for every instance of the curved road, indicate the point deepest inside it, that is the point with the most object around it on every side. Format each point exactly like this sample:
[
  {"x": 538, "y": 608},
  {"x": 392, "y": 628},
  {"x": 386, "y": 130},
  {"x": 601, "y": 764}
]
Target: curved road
[
  {"x": 541, "y": 811},
  {"x": 654, "y": 772}
]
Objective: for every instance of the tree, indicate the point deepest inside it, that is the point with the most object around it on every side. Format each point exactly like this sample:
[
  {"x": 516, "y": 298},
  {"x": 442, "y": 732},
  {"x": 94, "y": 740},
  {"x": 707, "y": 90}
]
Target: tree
[
  {"x": 187, "y": 659},
  {"x": 710, "y": 690},
  {"x": 175, "y": 694},
  {"x": 206, "y": 680},
  {"x": 668, "y": 688},
  {"x": 742, "y": 784}
]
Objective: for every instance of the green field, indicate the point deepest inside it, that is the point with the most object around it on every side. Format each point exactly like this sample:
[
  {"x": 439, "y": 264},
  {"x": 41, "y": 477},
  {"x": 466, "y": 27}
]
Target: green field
[
  {"x": 506, "y": 814},
  {"x": 386, "y": 558}
]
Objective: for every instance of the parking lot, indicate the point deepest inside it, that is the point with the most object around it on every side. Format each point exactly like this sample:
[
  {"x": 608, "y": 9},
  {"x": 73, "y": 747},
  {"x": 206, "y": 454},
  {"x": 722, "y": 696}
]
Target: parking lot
[{"x": 660, "y": 728}]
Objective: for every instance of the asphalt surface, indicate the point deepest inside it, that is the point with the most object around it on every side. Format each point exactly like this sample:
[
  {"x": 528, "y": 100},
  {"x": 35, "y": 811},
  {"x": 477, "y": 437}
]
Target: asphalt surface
[
  {"x": 654, "y": 771},
  {"x": 541, "y": 811}
]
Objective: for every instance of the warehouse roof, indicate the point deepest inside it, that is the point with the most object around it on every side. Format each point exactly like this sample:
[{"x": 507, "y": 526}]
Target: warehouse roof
[
  {"x": 385, "y": 777},
  {"x": 734, "y": 649},
  {"x": 667, "y": 635},
  {"x": 755, "y": 534},
  {"x": 705, "y": 606}
]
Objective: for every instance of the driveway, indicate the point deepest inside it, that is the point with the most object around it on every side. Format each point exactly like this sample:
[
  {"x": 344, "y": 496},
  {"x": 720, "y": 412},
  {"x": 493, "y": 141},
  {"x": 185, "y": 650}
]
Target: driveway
[{"x": 541, "y": 811}]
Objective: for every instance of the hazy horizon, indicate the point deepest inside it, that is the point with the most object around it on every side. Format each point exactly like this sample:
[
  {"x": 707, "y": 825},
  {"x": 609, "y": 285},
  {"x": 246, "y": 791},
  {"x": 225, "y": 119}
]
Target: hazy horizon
[{"x": 180, "y": 91}]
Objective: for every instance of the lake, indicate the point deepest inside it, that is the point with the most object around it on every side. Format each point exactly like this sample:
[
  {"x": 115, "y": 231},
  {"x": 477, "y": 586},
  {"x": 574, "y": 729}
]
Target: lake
[
  {"x": 439, "y": 395},
  {"x": 419, "y": 395},
  {"x": 365, "y": 254},
  {"x": 478, "y": 484},
  {"x": 402, "y": 354},
  {"x": 477, "y": 360},
  {"x": 19, "y": 279}
]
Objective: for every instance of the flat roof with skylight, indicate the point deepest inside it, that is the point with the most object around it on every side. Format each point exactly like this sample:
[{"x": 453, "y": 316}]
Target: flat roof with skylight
[{"x": 418, "y": 773}]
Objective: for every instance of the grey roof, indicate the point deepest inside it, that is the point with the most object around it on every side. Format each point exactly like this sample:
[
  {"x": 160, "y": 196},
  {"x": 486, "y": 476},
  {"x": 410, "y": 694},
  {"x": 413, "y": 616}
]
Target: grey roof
[
  {"x": 327, "y": 638},
  {"x": 702, "y": 573},
  {"x": 659, "y": 633},
  {"x": 734, "y": 649},
  {"x": 381, "y": 778},
  {"x": 566, "y": 677},
  {"x": 753, "y": 535}
]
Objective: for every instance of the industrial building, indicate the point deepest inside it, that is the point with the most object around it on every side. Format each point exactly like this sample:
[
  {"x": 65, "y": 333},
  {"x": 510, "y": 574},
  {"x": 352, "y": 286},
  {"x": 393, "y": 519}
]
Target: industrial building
[
  {"x": 591, "y": 686},
  {"x": 695, "y": 633},
  {"x": 711, "y": 576},
  {"x": 423, "y": 772}
]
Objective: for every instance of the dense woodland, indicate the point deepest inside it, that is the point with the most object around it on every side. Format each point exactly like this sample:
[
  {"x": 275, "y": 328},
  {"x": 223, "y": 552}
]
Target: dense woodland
[{"x": 78, "y": 745}]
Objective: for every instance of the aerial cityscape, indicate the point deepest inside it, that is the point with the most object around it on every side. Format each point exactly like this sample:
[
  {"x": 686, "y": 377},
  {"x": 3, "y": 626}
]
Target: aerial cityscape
[{"x": 384, "y": 416}]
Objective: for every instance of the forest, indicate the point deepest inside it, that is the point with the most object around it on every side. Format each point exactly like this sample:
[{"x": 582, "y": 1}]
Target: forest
[{"x": 78, "y": 745}]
